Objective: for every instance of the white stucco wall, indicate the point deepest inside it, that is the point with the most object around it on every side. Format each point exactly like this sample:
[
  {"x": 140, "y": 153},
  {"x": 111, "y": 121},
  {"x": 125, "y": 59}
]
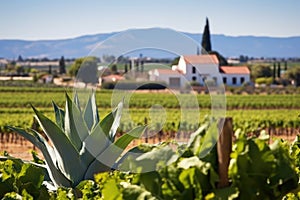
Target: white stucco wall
[
  {"x": 203, "y": 71},
  {"x": 208, "y": 71},
  {"x": 182, "y": 65},
  {"x": 238, "y": 77},
  {"x": 154, "y": 75}
]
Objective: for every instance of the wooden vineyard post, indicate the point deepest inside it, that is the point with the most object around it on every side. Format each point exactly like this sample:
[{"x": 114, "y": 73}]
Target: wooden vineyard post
[
  {"x": 224, "y": 146},
  {"x": 146, "y": 131}
]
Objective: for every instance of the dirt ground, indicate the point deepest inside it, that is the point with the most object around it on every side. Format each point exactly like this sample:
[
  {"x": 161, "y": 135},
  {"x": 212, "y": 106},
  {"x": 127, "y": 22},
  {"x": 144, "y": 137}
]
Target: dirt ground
[
  {"x": 20, "y": 151},
  {"x": 23, "y": 150}
]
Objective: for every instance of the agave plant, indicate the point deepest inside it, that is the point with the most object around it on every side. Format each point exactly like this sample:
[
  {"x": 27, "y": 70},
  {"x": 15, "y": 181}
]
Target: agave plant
[{"x": 81, "y": 145}]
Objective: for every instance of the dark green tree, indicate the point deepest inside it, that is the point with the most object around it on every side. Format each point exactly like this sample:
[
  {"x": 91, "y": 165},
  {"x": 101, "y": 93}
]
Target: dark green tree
[
  {"x": 49, "y": 69},
  {"x": 114, "y": 69},
  {"x": 85, "y": 69},
  {"x": 278, "y": 70},
  {"x": 285, "y": 65},
  {"x": 206, "y": 44},
  {"x": 175, "y": 61},
  {"x": 62, "y": 65},
  {"x": 259, "y": 71},
  {"x": 20, "y": 59},
  {"x": 88, "y": 72},
  {"x": 125, "y": 68},
  {"x": 130, "y": 65},
  {"x": 73, "y": 71}
]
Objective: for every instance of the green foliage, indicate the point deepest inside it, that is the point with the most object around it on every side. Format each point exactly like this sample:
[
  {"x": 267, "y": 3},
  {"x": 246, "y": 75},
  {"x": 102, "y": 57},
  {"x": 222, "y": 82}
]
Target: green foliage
[
  {"x": 258, "y": 71},
  {"x": 260, "y": 171},
  {"x": 294, "y": 74},
  {"x": 257, "y": 171},
  {"x": 73, "y": 71},
  {"x": 206, "y": 44},
  {"x": 114, "y": 69},
  {"x": 20, "y": 179},
  {"x": 262, "y": 80},
  {"x": 81, "y": 142},
  {"x": 62, "y": 66},
  {"x": 175, "y": 61},
  {"x": 85, "y": 69},
  {"x": 88, "y": 70}
]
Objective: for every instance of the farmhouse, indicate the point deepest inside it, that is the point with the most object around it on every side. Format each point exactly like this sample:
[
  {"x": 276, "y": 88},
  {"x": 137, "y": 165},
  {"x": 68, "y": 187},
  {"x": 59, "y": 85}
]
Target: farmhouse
[
  {"x": 173, "y": 78},
  {"x": 201, "y": 68},
  {"x": 235, "y": 75}
]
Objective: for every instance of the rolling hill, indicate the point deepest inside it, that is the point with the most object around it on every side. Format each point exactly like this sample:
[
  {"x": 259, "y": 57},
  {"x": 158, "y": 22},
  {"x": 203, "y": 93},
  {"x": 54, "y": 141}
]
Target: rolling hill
[{"x": 229, "y": 46}]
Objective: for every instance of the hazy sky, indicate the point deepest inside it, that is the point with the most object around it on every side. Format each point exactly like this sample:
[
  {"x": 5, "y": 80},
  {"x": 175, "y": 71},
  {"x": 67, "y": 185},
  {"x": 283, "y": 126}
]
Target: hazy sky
[{"x": 45, "y": 19}]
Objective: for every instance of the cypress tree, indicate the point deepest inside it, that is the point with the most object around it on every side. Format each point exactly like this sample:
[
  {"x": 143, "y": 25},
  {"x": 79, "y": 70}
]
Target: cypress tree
[
  {"x": 50, "y": 69},
  {"x": 285, "y": 65},
  {"x": 206, "y": 44},
  {"x": 62, "y": 66},
  {"x": 125, "y": 68},
  {"x": 278, "y": 70}
]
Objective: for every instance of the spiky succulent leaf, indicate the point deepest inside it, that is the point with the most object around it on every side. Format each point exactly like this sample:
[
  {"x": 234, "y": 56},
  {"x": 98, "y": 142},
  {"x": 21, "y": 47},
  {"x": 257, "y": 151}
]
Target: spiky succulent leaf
[
  {"x": 95, "y": 167},
  {"x": 67, "y": 155},
  {"x": 125, "y": 139},
  {"x": 116, "y": 123},
  {"x": 75, "y": 127},
  {"x": 82, "y": 146},
  {"x": 54, "y": 173},
  {"x": 97, "y": 141},
  {"x": 114, "y": 151},
  {"x": 76, "y": 101},
  {"x": 91, "y": 115},
  {"x": 59, "y": 116},
  {"x": 111, "y": 122}
]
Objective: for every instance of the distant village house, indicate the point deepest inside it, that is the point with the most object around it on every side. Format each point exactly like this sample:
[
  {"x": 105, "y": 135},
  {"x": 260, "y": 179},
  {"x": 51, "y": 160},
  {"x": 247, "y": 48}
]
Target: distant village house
[{"x": 200, "y": 69}]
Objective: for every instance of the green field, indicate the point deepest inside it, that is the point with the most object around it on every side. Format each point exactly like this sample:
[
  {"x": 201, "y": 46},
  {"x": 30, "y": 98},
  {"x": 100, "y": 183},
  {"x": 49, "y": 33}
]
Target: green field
[
  {"x": 248, "y": 111},
  {"x": 274, "y": 170}
]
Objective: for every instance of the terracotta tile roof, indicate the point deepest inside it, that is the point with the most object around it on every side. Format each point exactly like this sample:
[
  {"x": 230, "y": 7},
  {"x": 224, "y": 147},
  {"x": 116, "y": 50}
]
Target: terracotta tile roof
[
  {"x": 167, "y": 71},
  {"x": 201, "y": 59},
  {"x": 234, "y": 70}
]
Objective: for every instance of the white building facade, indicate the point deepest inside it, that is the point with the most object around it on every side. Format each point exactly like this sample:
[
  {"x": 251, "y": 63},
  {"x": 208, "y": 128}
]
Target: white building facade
[
  {"x": 172, "y": 78},
  {"x": 235, "y": 75},
  {"x": 201, "y": 69}
]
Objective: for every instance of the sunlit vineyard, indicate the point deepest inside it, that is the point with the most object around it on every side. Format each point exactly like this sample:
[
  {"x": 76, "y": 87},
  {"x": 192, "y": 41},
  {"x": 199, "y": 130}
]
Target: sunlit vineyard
[
  {"x": 275, "y": 163},
  {"x": 279, "y": 113}
]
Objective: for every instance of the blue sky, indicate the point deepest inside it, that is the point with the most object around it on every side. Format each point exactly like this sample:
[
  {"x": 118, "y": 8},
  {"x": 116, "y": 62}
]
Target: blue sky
[{"x": 45, "y": 19}]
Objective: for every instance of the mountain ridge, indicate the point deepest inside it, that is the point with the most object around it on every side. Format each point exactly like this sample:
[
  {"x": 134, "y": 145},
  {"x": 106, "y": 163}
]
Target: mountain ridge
[{"x": 229, "y": 46}]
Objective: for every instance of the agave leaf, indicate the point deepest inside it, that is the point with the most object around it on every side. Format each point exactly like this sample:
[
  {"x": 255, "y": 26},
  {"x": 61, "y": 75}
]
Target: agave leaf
[
  {"x": 35, "y": 138},
  {"x": 125, "y": 139},
  {"x": 76, "y": 101},
  {"x": 113, "y": 152},
  {"x": 116, "y": 123},
  {"x": 110, "y": 120},
  {"x": 91, "y": 115},
  {"x": 67, "y": 155},
  {"x": 97, "y": 141},
  {"x": 75, "y": 128},
  {"x": 95, "y": 167},
  {"x": 59, "y": 116}
]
